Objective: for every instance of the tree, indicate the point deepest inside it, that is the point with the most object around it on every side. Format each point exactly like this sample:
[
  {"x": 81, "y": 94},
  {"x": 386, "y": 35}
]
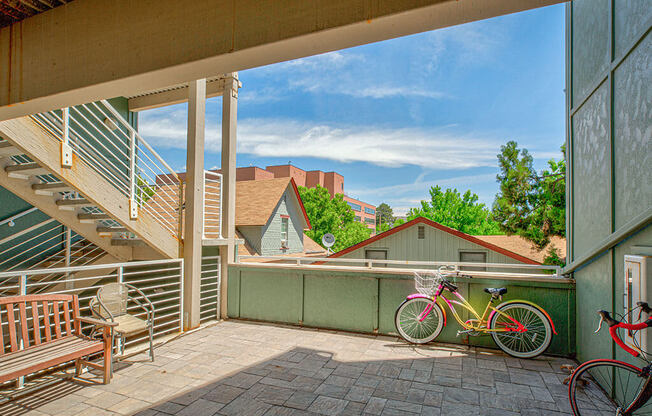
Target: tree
[
  {"x": 529, "y": 204},
  {"x": 332, "y": 215},
  {"x": 384, "y": 217},
  {"x": 461, "y": 212}
]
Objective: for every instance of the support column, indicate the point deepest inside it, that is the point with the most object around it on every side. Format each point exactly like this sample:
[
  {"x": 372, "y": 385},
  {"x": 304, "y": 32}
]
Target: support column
[
  {"x": 229, "y": 123},
  {"x": 194, "y": 205}
]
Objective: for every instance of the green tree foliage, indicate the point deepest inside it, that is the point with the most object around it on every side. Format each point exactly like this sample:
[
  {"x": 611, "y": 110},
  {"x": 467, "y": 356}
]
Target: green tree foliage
[
  {"x": 461, "y": 212},
  {"x": 529, "y": 204},
  {"x": 332, "y": 215},
  {"x": 384, "y": 217}
]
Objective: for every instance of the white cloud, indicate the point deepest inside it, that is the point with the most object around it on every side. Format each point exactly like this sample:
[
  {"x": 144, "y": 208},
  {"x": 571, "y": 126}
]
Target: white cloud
[{"x": 392, "y": 147}]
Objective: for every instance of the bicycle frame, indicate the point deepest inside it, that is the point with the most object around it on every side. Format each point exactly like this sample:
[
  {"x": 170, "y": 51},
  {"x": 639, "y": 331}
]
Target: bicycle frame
[{"x": 477, "y": 324}]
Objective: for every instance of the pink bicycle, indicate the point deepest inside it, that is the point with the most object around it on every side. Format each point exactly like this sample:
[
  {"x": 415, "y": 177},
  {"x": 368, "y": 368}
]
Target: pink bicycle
[{"x": 519, "y": 327}]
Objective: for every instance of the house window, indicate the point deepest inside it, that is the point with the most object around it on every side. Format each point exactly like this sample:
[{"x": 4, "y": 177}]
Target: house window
[
  {"x": 370, "y": 220},
  {"x": 376, "y": 254},
  {"x": 355, "y": 207},
  {"x": 473, "y": 257},
  {"x": 370, "y": 211},
  {"x": 357, "y": 218},
  {"x": 421, "y": 232},
  {"x": 635, "y": 291},
  {"x": 284, "y": 232}
]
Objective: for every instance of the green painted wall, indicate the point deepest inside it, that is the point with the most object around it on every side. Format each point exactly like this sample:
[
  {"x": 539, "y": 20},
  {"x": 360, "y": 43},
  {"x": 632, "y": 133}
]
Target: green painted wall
[
  {"x": 609, "y": 109},
  {"x": 366, "y": 301}
]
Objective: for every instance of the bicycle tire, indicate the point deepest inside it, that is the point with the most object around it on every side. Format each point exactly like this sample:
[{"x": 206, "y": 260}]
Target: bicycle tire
[
  {"x": 414, "y": 331},
  {"x": 605, "y": 386},
  {"x": 517, "y": 344}
]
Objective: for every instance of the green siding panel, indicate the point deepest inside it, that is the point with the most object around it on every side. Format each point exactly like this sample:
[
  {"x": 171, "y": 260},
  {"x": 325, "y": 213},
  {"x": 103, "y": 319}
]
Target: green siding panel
[
  {"x": 265, "y": 292},
  {"x": 630, "y": 20},
  {"x": 341, "y": 302},
  {"x": 591, "y": 177},
  {"x": 633, "y": 132},
  {"x": 590, "y": 45}
]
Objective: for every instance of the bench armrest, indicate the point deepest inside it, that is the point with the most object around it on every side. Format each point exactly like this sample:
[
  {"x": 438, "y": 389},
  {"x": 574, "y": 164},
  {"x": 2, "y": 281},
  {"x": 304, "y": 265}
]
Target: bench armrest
[{"x": 94, "y": 321}]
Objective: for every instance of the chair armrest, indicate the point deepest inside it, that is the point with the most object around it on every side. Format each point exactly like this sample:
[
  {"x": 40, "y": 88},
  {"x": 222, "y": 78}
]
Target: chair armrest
[{"x": 94, "y": 321}]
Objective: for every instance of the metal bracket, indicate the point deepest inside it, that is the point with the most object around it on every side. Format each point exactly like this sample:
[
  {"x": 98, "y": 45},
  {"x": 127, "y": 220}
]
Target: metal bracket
[
  {"x": 66, "y": 155},
  {"x": 133, "y": 209}
]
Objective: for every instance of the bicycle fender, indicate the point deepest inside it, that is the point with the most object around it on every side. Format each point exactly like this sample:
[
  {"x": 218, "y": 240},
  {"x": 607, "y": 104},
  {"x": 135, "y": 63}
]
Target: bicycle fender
[
  {"x": 419, "y": 295},
  {"x": 554, "y": 331}
]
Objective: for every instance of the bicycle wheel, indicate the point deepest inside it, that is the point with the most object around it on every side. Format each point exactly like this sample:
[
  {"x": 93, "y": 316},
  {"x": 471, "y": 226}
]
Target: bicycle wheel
[
  {"x": 607, "y": 387},
  {"x": 528, "y": 344},
  {"x": 408, "y": 324}
]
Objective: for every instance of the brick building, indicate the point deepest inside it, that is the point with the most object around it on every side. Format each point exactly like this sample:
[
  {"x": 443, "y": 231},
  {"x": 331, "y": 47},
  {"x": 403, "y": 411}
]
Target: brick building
[{"x": 333, "y": 181}]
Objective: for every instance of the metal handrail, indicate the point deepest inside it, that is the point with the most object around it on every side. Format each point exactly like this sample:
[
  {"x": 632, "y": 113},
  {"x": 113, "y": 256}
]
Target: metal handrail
[
  {"x": 13, "y": 218},
  {"x": 369, "y": 264},
  {"x": 105, "y": 141},
  {"x": 166, "y": 297},
  {"x": 212, "y": 205}
]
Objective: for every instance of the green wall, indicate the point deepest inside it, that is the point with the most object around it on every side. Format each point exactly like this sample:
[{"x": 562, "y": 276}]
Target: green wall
[
  {"x": 366, "y": 301},
  {"x": 609, "y": 109}
]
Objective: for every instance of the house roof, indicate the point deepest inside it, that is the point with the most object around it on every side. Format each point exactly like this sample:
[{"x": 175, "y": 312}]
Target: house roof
[
  {"x": 525, "y": 248},
  {"x": 256, "y": 200},
  {"x": 310, "y": 249},
  {"x": 422, "y": 220}
]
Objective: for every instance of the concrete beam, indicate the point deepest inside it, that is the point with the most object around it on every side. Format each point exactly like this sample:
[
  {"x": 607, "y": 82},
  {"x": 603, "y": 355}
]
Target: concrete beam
[
  {"x": 229, "y": 124},
  {"x": 88, "y": 50},
  {"x": 194, "y": 216}
]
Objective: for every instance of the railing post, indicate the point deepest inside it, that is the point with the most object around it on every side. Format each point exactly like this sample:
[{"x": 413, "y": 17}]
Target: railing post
[
  {"x": 69, "y": 283},
  {"x": 220, "y": 212},
  {"x": 182, "y": 316},
  {"x": 22, "y": 284},
  {"x": 203, "y": 206},
  {"x": 133, "y": 206},
  {"x": 66, "y": 150}
]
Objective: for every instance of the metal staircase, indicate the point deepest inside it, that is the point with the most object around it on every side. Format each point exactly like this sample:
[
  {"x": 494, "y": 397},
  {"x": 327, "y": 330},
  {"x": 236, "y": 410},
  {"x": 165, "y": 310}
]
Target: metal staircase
[{"x": 89, "y": 169}]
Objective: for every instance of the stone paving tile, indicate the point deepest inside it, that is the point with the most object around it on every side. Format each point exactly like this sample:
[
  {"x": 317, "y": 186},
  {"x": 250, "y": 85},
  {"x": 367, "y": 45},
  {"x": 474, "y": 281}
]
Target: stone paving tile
[{"x": 252, "y": 369}]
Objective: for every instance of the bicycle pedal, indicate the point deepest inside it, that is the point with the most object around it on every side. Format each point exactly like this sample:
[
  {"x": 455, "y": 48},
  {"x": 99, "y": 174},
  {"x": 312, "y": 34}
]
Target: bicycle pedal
[{"x": 463, "y": 332}]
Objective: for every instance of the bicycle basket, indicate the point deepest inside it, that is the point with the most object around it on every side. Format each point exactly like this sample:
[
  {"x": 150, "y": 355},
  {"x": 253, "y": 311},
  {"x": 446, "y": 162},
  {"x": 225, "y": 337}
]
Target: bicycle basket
[{"x": 426, "y": 282}]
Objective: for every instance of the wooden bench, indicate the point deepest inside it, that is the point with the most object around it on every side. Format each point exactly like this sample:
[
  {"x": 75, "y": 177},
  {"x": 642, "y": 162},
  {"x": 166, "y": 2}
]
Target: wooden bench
[{"x": 38, "y": 332}]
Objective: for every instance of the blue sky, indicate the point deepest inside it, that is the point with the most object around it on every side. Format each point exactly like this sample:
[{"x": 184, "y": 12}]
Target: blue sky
[{"x": 399, "y": 116}]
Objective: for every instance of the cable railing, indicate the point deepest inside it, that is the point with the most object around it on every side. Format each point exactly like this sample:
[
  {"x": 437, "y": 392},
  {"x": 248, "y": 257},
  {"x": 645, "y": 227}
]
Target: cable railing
[
  {"x": 474, "y": 269},
  {"x": 212, "y": 204},
  {"x": 104, "y": 140},
  {"x": 160, "y": 280}
]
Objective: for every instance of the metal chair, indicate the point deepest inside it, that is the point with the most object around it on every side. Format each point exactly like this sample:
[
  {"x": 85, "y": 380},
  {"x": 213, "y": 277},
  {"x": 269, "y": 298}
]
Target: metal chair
[{"x": 110, "y": 304}]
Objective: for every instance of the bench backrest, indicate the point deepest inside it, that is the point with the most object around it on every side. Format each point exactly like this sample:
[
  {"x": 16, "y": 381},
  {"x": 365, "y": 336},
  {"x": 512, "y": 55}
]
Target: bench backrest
[{"x": 28, "y": 321}]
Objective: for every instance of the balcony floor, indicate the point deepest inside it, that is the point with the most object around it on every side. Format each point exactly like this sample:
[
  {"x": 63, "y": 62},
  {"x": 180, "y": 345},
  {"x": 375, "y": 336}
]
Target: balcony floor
[{"x": 244, "y": 368}]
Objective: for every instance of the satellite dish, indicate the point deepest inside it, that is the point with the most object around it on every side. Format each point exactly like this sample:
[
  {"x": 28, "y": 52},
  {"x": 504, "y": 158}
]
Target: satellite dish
[{"x": 328, "y": 240}]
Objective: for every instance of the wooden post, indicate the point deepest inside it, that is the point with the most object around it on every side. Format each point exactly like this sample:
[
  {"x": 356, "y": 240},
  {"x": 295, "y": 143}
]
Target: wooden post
[
  {"x": 229, "y": 124},
  {"x": 194, "y": 203}
]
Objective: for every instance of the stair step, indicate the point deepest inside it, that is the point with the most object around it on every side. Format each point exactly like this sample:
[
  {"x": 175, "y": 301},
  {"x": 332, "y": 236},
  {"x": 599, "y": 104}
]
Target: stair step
[
  {"x": 89, "y": 218},
  {"x": 78, "y": 202},
  {"x": 7, "y": 149},
  {"x": 112, "y": 230},
  {"x": 132, "y": 242},
  {"x": 25, "y": 170},
  {"x": 50, "y": 188}
]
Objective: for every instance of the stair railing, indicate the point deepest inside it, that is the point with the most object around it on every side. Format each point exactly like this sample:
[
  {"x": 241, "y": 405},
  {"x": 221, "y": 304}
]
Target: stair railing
[
  {"x": 98, "y": 134},
  {"x": 212, "y": 205}
]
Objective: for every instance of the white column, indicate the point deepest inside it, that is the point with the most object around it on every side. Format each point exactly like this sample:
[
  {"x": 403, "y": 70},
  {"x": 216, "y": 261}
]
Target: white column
[
  {"x": 229, "y": 123},
  {"x": 194, "y": 206}
]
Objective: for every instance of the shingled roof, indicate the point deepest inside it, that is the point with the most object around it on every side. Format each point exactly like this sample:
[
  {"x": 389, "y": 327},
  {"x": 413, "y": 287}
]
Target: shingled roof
[{"x": 256, "y": 200}]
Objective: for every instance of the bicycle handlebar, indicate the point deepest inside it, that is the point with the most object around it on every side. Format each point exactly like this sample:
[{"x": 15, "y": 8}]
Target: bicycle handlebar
[{"x": 614, "y": 325}]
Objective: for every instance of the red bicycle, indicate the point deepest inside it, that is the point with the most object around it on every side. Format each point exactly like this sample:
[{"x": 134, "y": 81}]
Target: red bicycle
[{"x": 613, "y": 387}]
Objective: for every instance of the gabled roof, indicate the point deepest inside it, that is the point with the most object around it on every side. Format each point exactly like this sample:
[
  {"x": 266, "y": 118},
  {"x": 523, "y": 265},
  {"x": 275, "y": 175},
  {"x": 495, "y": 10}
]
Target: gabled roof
[
  {"x": 256, "y": 200},
  {"x": 426, "y": 221}
]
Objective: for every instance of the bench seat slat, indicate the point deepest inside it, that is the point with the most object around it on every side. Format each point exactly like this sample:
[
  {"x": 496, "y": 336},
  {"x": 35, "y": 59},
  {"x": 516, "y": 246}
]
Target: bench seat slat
[{"x": 54, "y": 353}]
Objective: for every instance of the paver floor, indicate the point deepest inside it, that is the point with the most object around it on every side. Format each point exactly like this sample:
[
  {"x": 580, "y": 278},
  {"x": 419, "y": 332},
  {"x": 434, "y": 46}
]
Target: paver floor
[{"x": 244, "y": 368}]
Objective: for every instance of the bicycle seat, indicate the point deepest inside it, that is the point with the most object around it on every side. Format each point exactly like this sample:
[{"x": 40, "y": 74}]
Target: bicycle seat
[{"x": 495, "y": 291}]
